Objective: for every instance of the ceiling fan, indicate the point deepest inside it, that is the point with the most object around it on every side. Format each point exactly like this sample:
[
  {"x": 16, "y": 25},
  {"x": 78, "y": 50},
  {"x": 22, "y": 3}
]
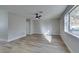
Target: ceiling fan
[{"x": 37, "y": 15}]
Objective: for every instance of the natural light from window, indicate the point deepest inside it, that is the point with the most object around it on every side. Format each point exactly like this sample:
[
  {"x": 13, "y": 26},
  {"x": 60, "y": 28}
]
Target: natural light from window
[{"x": 72, "y": 21}]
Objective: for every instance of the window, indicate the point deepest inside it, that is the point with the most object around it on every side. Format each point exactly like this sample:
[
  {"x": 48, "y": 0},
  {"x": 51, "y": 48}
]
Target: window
[{"x": 72, "y": 21}]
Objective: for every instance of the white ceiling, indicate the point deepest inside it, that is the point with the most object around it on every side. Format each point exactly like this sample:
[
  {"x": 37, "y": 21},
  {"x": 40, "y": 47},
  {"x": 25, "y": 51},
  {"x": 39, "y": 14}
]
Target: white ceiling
[{"x": 53, "y": 11}]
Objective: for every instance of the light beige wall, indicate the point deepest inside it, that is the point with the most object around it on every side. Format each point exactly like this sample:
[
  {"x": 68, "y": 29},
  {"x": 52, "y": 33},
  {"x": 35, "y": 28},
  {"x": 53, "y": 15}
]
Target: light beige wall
[
  {"x": 48, "y": 26},
  {"x": 16, "y": 26},
  {"x": 3, "y": 25}
]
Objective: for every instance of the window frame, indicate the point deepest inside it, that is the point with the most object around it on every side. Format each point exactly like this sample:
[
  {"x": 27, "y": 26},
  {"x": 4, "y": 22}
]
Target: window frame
[
  {"x": 67, "y": 22},
  {"x": 70, "y": 19}
]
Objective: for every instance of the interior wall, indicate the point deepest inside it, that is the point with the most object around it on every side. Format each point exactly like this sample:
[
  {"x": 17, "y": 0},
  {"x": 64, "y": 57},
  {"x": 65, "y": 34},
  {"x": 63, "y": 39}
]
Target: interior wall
[
  {"x": 47, "y": 26},
  {"x": 72, "y": 42},
  {"x": 3, "y": 25},
  {"x": 16, "y": 26},
  {"x": 27, "y": 27}
]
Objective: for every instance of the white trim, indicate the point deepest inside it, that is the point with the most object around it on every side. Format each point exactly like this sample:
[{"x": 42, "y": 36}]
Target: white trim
[
  {"x": 15, "y": 38},
  {"x": 71, "y": 9}
]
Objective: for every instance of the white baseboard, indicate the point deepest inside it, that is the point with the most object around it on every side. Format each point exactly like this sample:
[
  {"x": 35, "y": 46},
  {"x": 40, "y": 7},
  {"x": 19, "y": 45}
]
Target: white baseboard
[
  {"x": 42, "y": 34},
  {"x": 15, "y": 38}
]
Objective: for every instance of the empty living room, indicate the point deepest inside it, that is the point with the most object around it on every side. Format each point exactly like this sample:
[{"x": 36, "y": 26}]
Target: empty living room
[{"x": 39, "y": 29}]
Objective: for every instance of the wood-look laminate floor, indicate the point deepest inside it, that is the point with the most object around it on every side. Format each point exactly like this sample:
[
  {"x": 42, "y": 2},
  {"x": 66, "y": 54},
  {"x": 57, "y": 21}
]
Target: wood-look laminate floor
[{"x": 35, "y": 44}]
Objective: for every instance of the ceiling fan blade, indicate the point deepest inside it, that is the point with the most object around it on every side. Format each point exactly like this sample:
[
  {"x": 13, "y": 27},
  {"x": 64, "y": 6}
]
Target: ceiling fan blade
[{"x": 40, "y": 15}]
